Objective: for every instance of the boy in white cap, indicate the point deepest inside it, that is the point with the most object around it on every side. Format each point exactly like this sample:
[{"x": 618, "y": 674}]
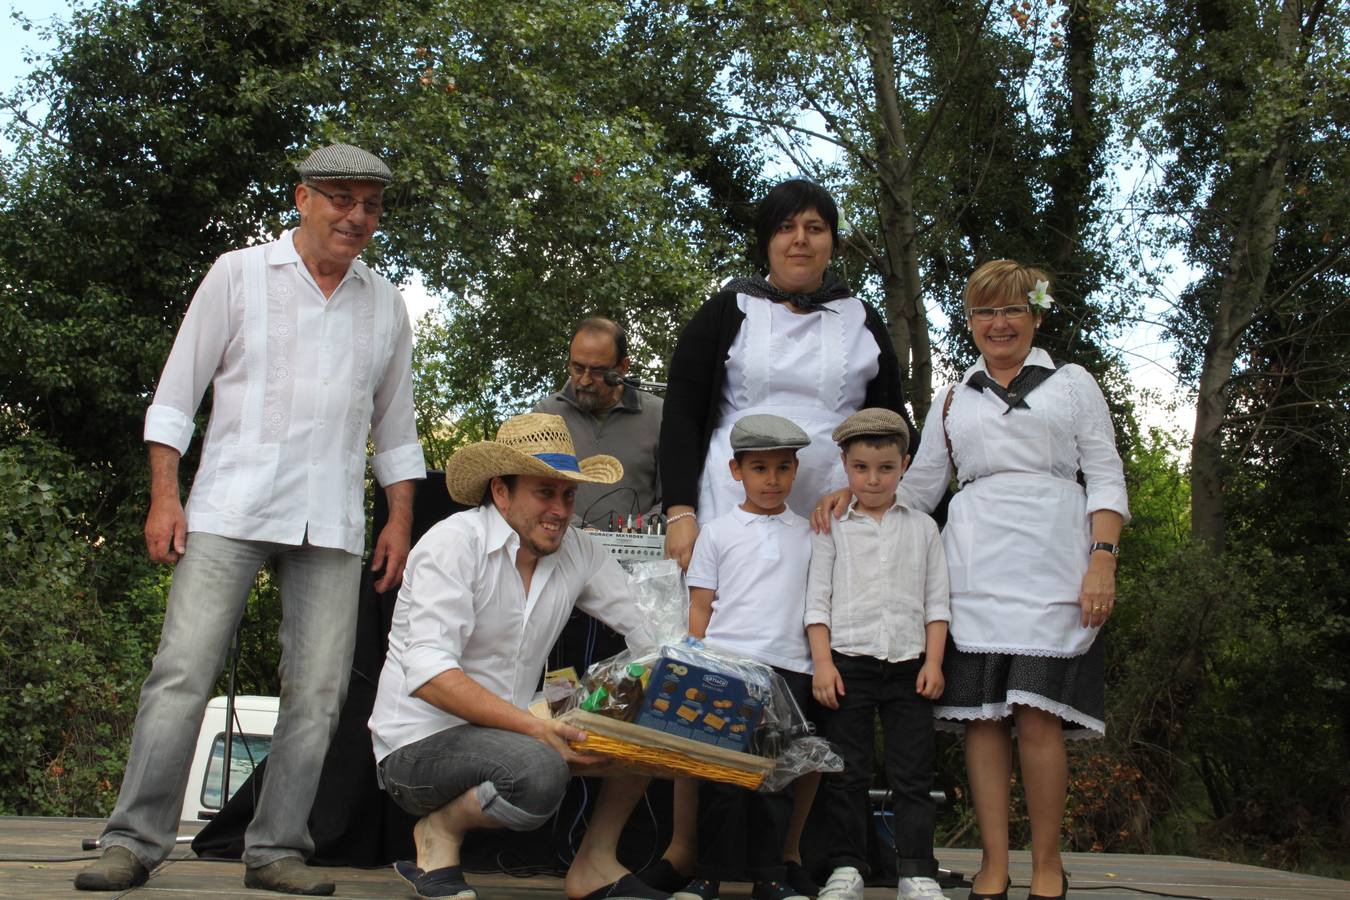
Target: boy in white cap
[{"x": 747, "y": 591}]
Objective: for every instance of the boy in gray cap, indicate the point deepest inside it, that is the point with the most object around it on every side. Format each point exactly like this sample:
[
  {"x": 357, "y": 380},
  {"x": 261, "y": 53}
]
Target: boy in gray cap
[
  {"x": 876, "y": 617},
  {"x": 747, "y": 594}
]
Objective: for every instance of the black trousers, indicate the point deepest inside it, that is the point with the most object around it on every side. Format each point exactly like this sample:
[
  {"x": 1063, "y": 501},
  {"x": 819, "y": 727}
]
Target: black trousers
[
  {"x": 875, "y": 686},
  {"x": 741, "y": 832}
]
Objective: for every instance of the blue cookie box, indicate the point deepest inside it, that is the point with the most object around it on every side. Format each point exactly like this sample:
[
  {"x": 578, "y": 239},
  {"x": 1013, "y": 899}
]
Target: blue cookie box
[{"x": 694, "y": 695}]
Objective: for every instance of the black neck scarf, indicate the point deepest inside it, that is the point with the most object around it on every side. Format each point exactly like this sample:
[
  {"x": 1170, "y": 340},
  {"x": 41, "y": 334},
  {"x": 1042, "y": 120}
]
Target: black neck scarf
[
  {"x": 1015, "y": 394},
  {"x": 832, "y": 288}
]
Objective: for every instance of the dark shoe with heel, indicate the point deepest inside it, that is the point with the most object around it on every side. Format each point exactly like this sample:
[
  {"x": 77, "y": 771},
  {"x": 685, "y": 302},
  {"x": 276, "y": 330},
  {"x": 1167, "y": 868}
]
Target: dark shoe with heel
[
  {"x": 1063, "y": 891},
  {"x": 1001, "y": 895}
]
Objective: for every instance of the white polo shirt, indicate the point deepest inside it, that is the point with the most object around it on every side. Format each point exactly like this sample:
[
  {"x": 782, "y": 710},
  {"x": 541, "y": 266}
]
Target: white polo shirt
[{"x": 757, "y": 565}]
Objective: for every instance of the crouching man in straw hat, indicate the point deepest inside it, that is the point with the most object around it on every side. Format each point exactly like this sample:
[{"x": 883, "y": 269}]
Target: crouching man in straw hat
[
  {"x": 308, "y": 352},
  {"x": 485, "y": 594}
]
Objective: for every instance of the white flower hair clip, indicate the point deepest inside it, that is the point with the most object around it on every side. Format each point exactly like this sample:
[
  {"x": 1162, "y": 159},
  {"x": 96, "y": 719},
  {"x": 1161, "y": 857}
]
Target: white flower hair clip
[{"x": 1038, "y": 297}]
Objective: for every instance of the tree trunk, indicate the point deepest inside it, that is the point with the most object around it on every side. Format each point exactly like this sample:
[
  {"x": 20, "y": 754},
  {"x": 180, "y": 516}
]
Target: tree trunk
[
  {"x": 900, "y": 273},
  {"x": 1244, "y": 281},
  {"x": 1076, "y": 169}
]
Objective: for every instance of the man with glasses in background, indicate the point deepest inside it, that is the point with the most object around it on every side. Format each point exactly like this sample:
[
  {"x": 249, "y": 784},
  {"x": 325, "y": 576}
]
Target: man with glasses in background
[
  {"x": 309, "y": 353},
  {"x": 606, "y": 416}
]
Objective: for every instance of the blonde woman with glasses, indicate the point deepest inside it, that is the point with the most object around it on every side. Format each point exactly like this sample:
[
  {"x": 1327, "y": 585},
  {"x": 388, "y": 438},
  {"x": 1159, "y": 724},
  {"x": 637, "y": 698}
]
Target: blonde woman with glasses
[{"x": 1032, "y": 540}]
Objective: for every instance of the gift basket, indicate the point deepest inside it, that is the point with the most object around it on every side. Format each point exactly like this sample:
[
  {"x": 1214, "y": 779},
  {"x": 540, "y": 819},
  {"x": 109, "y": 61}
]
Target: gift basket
[{"x": 682, "y": 709}]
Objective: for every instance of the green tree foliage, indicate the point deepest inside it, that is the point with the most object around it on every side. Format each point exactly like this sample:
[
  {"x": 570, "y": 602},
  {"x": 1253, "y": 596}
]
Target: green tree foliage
[
  {"x": 1249, "y": 124},
  {"x": 166, "y": 144},
  {"x": 1253, "y": 125},
  {"x": 954, "y": 133},
  {"x": 70, "y": 669},
  {"x": 539, "y": 190}
]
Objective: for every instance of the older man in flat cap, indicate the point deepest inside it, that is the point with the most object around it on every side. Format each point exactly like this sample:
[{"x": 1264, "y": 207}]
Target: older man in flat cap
[{"x": 309, "y": 353}]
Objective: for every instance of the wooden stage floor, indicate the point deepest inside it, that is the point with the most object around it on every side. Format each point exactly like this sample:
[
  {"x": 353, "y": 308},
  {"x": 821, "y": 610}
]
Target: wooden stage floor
[{"x": 39, "y": 857}]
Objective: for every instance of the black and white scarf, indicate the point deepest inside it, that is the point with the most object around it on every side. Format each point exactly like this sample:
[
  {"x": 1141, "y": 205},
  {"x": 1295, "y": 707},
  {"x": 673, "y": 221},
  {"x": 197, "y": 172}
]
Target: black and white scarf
[{"x": 832, "y": 288}]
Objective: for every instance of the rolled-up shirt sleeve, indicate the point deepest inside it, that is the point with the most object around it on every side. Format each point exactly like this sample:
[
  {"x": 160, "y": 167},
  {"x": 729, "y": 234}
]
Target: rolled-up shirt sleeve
[
  {"x": 1103, "y": 472},
  {"x": 820, "y": 580},
  {"x": 393, "y": 425},
  {"x": 436, "y": 613},
  {"x": 198, "y": 350}
]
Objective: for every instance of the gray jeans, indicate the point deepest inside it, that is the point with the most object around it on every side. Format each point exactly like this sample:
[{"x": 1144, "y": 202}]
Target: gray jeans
[
  {"x": 319, "y": 588},
  {"x": 519, "y": 781}
]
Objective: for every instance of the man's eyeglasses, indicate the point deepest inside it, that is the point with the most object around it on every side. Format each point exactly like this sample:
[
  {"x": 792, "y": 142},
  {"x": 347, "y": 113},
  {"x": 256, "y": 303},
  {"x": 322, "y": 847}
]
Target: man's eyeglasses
[
  {"x": 597, "y": 373},
  {"x": 990, "y": 313},
  {"x": 346, "y": 202}
]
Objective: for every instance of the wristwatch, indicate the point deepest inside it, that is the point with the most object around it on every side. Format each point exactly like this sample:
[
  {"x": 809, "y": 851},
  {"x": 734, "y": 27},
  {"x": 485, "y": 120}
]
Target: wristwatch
[{"x": 1113, "y": 549}]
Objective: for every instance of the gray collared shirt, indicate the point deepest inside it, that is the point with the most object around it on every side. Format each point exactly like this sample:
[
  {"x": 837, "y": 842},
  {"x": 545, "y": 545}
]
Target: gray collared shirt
[{"x": 630, "y": 431}]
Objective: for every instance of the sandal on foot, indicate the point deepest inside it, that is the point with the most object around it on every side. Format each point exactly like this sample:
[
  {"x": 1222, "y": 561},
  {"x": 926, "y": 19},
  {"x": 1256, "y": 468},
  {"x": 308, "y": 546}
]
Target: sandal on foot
[{"x": 446, "y": 883}]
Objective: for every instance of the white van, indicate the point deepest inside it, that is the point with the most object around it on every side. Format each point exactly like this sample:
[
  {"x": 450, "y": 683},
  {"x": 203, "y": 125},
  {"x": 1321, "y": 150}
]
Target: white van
[{"x": 255, "y": 719}]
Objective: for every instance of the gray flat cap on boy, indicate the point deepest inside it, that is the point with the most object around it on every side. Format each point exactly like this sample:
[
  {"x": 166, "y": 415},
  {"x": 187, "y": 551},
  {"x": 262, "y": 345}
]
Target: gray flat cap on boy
[
  {"x": 872, "y": 420},
  {"x": 343, "y": 162},
  {"x": 765, "y": 432}
]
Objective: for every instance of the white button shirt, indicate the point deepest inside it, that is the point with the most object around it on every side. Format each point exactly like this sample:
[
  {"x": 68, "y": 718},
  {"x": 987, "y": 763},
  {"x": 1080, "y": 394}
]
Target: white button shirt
[
  {"x": 878, "y": 584},
  {"x": 300, "y": 381},
  {"x": 463, "y": 606},
  {"x": 757, "y": 565}
]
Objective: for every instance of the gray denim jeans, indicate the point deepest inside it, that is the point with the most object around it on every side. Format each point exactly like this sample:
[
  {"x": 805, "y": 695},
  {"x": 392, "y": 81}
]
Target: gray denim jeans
[
  {"x": 519, "y": 781},
  {"x": 319, "y": 588}
]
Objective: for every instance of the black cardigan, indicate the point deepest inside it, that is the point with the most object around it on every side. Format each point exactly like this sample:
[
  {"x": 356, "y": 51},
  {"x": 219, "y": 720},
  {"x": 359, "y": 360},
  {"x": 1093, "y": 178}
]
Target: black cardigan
[{"x": 694, "y": 391}]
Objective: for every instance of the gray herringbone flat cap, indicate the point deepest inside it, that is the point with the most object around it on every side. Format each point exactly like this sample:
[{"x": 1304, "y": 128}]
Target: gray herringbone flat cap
[
  {"x": 764, "y": 432},
  {"x": 873, "y": 421},
  {"x": 339, "y": 162}
]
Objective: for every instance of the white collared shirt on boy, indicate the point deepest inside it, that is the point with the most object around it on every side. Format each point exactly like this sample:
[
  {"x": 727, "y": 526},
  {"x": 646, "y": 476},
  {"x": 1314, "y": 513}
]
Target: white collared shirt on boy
[
  {"x": 757, "y": 566},
  {"x": 877, "y": 584}
]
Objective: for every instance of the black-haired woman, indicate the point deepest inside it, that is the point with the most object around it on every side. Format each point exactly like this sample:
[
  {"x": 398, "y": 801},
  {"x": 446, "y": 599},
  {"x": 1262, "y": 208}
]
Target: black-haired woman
[{"x": 792, "y": 341}]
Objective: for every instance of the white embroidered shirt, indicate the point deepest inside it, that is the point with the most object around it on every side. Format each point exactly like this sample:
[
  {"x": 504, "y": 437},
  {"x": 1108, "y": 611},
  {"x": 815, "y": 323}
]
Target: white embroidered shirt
[{"x": 300, "y": 381}]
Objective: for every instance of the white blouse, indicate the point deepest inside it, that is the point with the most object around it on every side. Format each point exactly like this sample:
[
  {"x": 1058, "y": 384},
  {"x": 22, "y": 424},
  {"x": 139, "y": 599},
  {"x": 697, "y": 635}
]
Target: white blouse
[
  {"x": 1018, "y": 531},
  {"x": 877, "y": 585}
]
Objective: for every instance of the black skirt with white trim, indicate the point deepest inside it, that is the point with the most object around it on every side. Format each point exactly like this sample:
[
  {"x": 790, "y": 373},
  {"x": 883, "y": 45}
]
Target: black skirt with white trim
[{"x": 988, "y": 685}]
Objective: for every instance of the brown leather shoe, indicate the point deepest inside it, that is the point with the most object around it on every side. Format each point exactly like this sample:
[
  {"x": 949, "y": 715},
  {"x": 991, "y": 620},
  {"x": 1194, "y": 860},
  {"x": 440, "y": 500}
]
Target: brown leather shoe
[
  {"x": 116, "y": 870},
  {"x": 288, "y": 875}
]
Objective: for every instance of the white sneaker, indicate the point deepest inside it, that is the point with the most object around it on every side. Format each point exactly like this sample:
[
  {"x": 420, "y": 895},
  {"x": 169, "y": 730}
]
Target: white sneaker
[
  {"x": 845, "y": 884},
  {"x": 919, "y": 889}
]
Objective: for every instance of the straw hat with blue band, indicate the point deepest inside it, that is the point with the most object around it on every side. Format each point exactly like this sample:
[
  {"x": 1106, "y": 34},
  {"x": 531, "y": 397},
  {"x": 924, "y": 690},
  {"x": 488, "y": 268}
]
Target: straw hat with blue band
[{"x": 531, "y": 444}]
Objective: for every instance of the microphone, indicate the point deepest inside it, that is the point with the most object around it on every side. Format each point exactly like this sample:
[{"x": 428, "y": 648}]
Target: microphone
[{"x": 614, "y": 378}]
